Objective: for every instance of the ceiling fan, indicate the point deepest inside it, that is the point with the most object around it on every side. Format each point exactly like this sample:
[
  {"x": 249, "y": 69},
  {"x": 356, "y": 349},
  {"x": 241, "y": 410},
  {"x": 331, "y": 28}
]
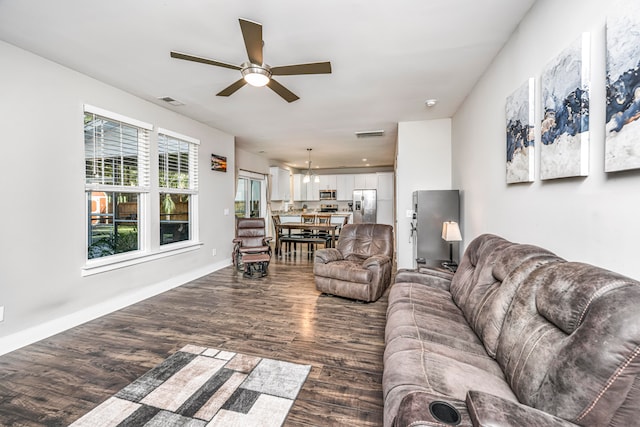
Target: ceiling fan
[{"x": 255, "y": 72}]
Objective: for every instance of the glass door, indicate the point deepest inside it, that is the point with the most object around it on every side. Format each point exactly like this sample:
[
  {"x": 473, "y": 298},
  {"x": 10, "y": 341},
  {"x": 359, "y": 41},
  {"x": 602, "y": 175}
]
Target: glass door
[{"x": 250, "y": 197}]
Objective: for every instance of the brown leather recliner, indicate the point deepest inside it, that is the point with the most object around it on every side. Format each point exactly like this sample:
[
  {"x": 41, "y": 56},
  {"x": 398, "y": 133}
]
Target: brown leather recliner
[
  {"x": 250, "y": 238},
  {"x": 360, "y": 265}
]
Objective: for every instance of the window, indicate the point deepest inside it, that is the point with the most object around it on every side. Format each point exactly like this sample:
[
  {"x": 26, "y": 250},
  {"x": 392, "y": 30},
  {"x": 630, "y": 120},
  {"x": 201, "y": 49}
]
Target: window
[
  {"x": 116, "y": 181},
  {"x": 178, "y": 182}
]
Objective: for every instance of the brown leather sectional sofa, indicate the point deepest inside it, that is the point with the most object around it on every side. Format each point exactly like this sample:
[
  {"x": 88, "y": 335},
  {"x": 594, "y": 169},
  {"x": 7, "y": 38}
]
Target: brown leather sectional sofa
[{"x": 517, "y": 337}]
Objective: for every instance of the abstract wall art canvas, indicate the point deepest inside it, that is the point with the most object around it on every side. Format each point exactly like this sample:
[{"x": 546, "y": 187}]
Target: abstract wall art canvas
[
  {"x": 564, "y": 151},
  {"x": 622, "y": 144},
  {"x": 520, "y": 110}
]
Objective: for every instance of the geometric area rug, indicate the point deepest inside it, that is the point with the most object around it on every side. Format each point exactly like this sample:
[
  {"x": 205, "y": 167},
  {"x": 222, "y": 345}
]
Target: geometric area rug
[{"x": 204, "y": 387}]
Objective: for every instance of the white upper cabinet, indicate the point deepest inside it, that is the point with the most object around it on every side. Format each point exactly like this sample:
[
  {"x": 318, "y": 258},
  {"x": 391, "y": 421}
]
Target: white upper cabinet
[
  {"x": 313, "y": 190},
  {"x": 366, "y": 181},
  {"x": 298, "y": 194},
  {"x": 385, "y": 185},
  {"x": 305, "y": 192},
  {"x": 328, "y": 182},
  {"x": 280, "y": 183},
  {"x": 344, "y": 186}
]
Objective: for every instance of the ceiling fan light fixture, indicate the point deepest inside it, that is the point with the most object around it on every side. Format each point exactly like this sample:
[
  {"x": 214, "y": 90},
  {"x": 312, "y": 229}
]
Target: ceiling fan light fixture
[{"x": 255, "y": 75}]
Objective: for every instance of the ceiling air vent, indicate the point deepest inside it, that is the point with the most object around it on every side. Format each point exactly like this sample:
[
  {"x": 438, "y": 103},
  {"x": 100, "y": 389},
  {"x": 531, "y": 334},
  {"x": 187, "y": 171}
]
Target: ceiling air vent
[
  {"x": 369, "y": 133},
  {"x": 170, "y": 100}
]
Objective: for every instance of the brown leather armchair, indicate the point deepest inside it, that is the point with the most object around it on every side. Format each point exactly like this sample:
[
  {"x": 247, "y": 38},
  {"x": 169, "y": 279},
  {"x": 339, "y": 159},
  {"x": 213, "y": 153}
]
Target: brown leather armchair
[
  {"x": 360, "y": 265},
  {"x": 250, "y": 239}
]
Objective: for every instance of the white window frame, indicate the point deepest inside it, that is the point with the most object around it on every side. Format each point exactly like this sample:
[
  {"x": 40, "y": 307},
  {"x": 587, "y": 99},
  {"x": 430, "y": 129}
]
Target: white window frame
[{"x": 192, "y": 190}]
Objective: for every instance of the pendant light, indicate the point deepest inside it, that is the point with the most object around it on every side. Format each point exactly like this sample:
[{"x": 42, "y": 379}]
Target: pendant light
[{"x": 307, "y": 177}]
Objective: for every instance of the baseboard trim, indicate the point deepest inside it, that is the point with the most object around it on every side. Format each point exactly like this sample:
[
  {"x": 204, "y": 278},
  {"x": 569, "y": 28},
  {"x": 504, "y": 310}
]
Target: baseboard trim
[{"x": 36, "y": 333}]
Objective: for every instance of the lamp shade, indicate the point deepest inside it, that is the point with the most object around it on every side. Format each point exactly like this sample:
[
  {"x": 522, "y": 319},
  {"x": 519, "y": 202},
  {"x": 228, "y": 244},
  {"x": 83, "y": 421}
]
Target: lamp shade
[{"x": 451, "y": 231}]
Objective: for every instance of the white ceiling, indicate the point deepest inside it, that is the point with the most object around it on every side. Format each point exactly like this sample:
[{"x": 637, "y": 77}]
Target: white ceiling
[{"x": 387, "y": 57}]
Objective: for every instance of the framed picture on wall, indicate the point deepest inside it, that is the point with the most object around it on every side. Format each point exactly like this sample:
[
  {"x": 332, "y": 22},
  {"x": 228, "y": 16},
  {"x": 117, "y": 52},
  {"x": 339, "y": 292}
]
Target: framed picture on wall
[
  {"x": 218, "y": 163},
  {"x": 622, "y": 144},
  {"x": 520, "y": 113},
  {"x": 564, "y": 151}
]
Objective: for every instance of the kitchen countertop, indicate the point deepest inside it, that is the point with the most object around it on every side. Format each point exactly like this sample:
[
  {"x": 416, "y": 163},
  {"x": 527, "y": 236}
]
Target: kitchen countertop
[{"x": 297, "y": 213}]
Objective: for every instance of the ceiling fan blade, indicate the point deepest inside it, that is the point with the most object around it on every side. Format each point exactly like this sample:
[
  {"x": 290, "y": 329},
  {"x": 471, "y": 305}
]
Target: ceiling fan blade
[
  {"x": 252, "y": 34},
  {"x": 187, "y": 57},
  {"x": 282, "y": 91},
  {"x": 232, "y": 88},
  {"x": 311, "y": 68}
]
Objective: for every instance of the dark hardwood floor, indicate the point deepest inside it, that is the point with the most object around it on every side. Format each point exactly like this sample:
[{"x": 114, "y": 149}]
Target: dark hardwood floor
[{"x": 281, "y": 316}]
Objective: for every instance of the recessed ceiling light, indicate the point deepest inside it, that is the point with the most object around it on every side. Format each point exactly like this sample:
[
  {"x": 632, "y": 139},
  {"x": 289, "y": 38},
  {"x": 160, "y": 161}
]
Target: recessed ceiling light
[
  {"x": 368, "y": 164},
  {"x": 431, "y": 102},
  {"x": 364, "y": 160}
]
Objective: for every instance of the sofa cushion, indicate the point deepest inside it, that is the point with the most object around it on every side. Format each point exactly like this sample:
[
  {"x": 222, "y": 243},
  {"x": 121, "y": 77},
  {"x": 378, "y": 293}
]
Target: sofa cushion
[
  {"x": 431, "y": 348},
  {"x": 360, "y": 241},
  {"x": 511, "y": 266},
  {"x": 427, "y": 314},
  {"x": 475, "y": 270},
  {"x": 442, "y": 377},
  {"x": 490, "y": 272},
  {"x": 348, "y": 271},
  {"x": 570, "y": 344}
]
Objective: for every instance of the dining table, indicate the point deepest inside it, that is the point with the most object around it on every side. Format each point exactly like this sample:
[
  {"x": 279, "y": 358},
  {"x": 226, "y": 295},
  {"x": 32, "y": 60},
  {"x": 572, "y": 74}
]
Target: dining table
[{"x": 327, "y": 228}]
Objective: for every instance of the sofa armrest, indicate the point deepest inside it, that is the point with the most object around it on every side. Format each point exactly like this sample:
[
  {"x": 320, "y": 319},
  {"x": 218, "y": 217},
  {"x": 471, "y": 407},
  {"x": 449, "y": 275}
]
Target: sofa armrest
[
  {"x": 488, "y": 410},
  {"x": 376, "y": 261},
  {"x": 327, "y": 255},
  {"x": 428, "y": 277}
]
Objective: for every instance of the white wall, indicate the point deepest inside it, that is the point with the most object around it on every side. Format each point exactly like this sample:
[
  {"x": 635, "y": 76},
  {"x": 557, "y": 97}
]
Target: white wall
[
  {"x": 251, "y": 162},
  {"x": 423, "y": 162},
  {"x": 42, "y": 211},
  {"x": 592, "y": 219}
]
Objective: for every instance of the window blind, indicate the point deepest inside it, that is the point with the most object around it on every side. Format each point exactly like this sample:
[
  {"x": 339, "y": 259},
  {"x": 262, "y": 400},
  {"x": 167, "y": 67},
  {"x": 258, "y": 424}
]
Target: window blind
[
  {"x": 177, "y": 161},
  {"x": 116, "y": 152}
]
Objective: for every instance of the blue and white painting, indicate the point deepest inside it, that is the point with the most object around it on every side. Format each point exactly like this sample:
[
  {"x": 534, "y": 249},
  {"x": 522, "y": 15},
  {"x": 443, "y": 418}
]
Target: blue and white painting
[
  {"x": 564, "y": 151},
  {"x": 622, "y": 146},
  {"x": 520, "y": 112}
]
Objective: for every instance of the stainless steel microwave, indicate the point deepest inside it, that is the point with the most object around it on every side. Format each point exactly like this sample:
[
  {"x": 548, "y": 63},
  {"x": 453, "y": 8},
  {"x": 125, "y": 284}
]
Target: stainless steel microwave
[{"x": 327, "y": 194}]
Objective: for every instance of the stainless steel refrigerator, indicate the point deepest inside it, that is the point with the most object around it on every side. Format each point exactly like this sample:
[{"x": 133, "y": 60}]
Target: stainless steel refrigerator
[
  {"x": 364, "y": 206},
  {"x": 430, "y": 209}
]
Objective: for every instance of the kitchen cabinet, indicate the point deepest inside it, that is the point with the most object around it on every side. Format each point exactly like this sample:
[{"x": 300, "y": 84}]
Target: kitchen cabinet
[
  {"x": 305, "y": 192},
  {"x": 384, "y": 213},
  {"x": 280, "y": 183},
  {"x": 385, "y": 185},
  {"x": 385, "y": 198},
  {"x": 298, "y": 195},
  {"x": 327, "y": 182},
  {"x": 313, "y": 191},
  {"x": 366, "y": 181},
  {"x": 344, "y": 186}
]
